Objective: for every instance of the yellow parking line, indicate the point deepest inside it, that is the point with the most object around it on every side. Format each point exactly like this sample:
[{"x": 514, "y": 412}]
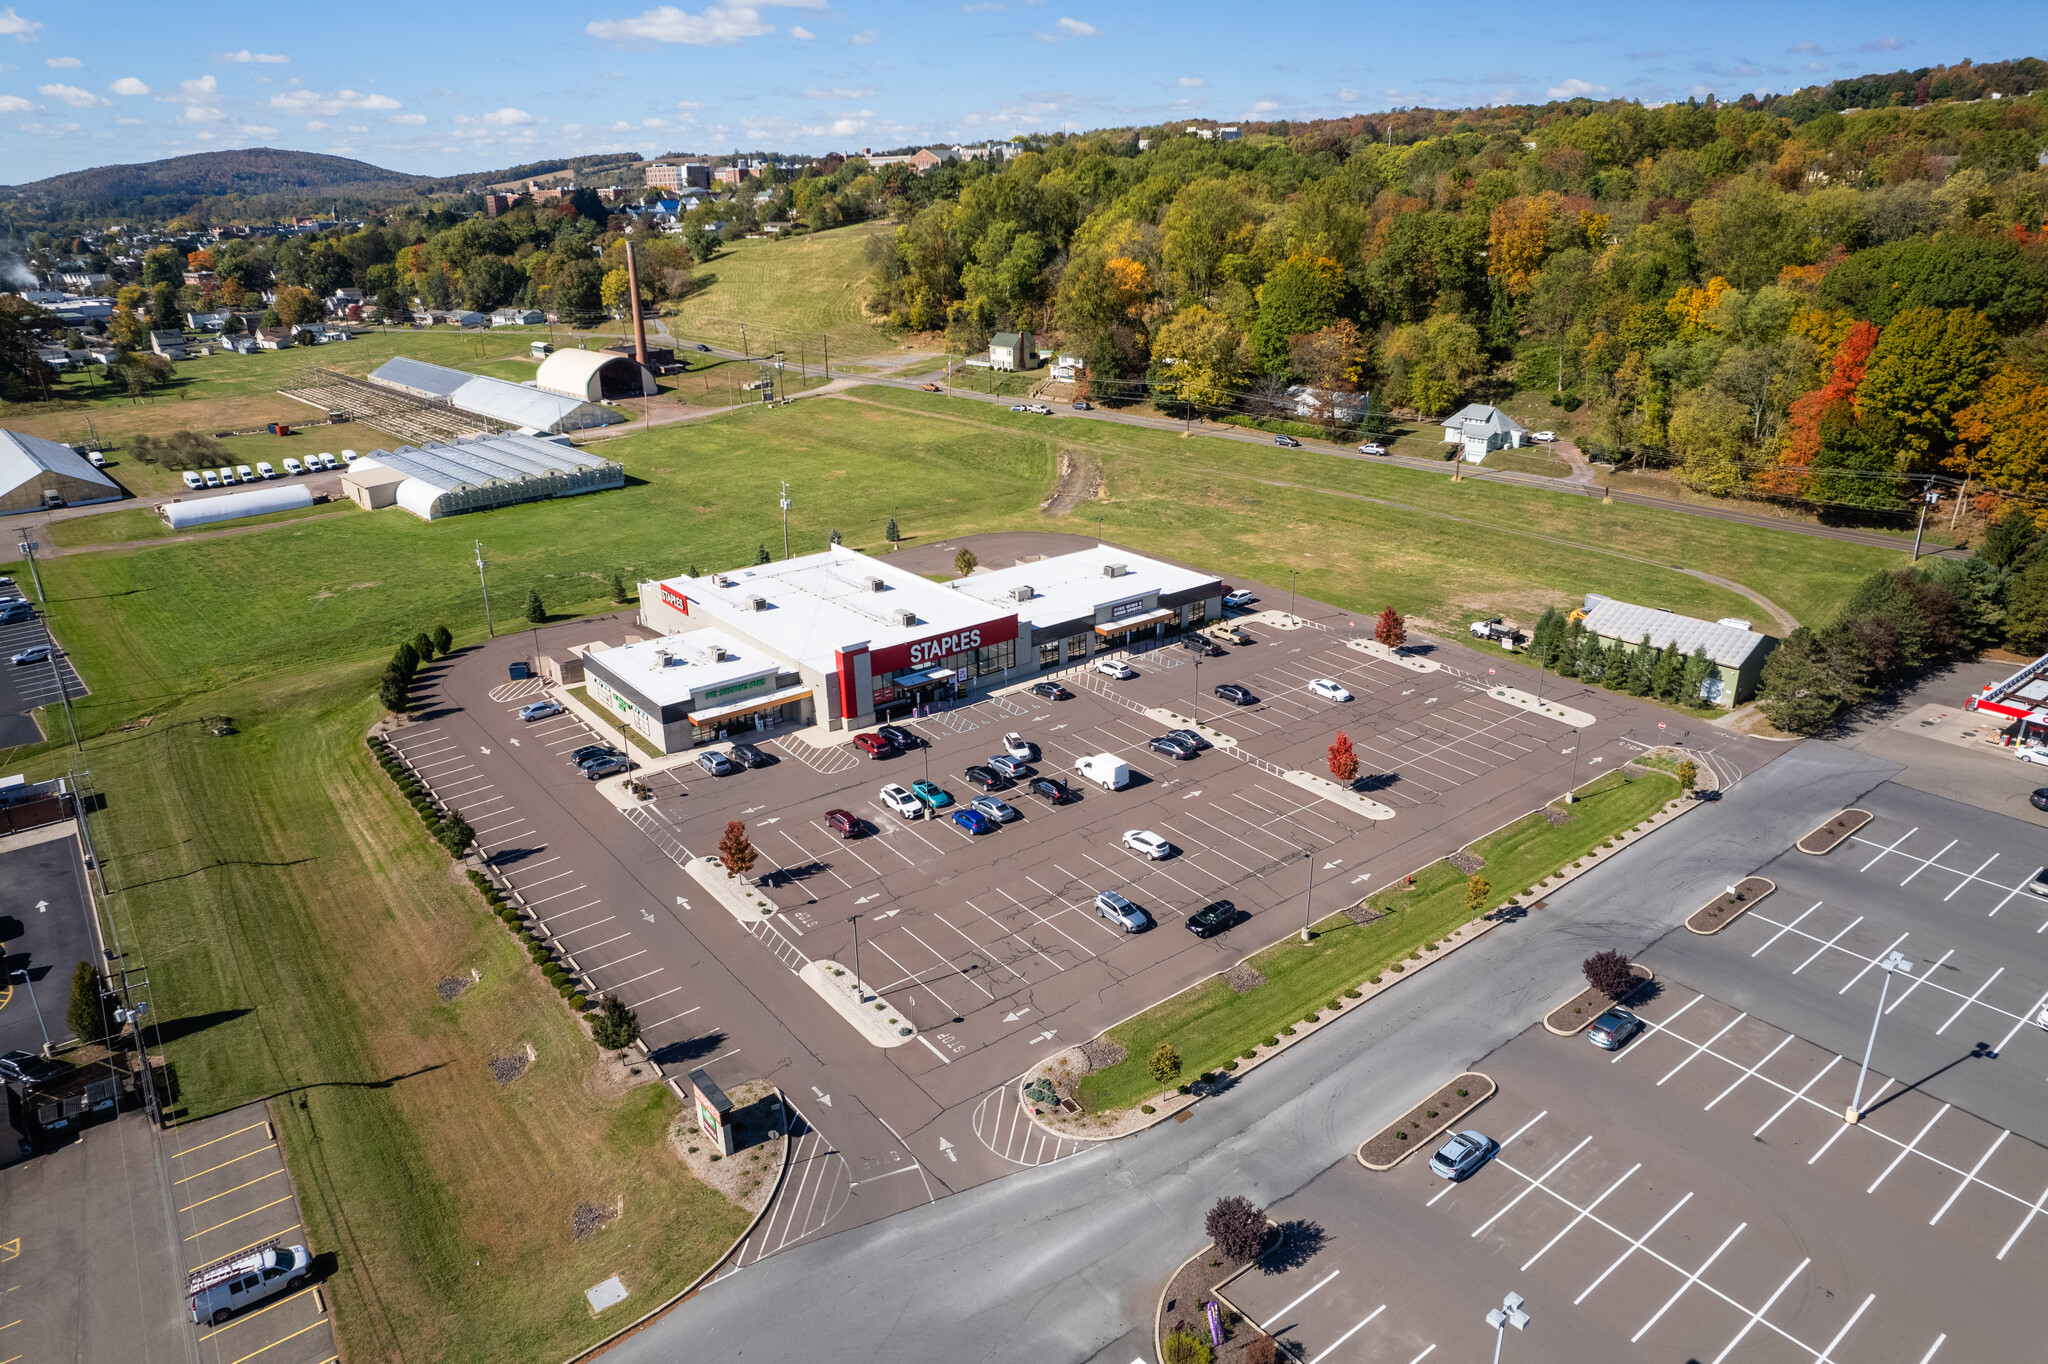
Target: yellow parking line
[
  {"x": 232, "y": 1220},
  {"x": 233, "y": 1253},
  {"x": 237, "y": 1189},
  {"x": 236, "y": 1133},
  {"x": 275, "y": 1343},
  {"x": 272, "y": 1146},
  {"x": 257, "y": 1313}
]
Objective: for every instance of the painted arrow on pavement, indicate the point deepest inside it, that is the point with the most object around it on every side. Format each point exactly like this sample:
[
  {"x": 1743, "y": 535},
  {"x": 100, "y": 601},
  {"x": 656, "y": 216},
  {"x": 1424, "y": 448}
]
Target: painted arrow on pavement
[
  {"x": 947, "y": 1147},
  {"x": 865, "y": 898},
  {"x": 823, "y": 1097},
  {"x": 681, "y": 901},
  {"x": 1012, "y": 1018}
]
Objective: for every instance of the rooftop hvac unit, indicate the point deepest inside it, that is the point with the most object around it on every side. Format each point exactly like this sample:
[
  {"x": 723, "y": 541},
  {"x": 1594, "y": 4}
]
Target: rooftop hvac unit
[
  {"x": 1021, "y": 594},
  {"x": 718, "y": 653},
  {"x": 757, "y": 603},
  {"x": 873, "y": 584},
  {"x": 905, "y": 617},
  {"x": 1115, "y": 570}
]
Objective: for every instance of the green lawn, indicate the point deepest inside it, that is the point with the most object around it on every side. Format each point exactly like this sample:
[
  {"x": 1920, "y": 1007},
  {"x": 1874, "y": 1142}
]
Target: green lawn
[
  {"x": 808, "y": 286},
  {"x": 1210, "y": 1024},
  {"x": 142, "y": 523},
  {"x": 633, "y": 737},
  {"x": 1529, "y": 460}
]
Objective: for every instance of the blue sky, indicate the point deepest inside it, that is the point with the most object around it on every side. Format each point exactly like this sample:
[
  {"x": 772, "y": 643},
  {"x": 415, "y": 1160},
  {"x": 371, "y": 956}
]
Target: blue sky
[{"x": 438, "y": 88}]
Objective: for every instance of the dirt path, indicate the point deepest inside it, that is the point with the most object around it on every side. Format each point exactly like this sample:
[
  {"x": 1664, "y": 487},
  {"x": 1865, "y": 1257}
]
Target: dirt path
[{"x": 1080, "y": 479}]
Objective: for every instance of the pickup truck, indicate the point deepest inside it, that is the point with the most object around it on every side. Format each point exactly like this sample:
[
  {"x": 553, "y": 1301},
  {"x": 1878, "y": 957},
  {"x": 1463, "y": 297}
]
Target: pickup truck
[{"x": 220, "y": 1290}]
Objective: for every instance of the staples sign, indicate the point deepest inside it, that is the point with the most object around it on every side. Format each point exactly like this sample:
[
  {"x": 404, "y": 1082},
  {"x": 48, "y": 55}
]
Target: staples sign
[
  {"x": 675, "y": 599},
  {"x": 929, "y": 651},
  {"x": 923, "y": 653}
]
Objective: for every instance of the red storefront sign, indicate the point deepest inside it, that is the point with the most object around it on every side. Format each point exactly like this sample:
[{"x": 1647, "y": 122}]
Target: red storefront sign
[
  {"x": 930, "y": 651},
  {"x": 675, "y": 599}
]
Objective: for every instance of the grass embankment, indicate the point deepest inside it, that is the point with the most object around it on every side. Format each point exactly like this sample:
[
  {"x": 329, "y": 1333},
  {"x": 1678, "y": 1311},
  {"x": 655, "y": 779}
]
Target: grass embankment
[
  {"x": 1210, "y": 1023},
  {"x": 634, "y": 739},
  {"x": 142, "y": 523},
  {"x": 787, "y": 290}
]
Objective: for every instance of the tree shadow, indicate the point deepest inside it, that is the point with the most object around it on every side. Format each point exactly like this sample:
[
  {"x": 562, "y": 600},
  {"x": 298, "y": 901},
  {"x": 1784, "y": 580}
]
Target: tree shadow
[
  {"x": 506, "y": 857},
  {"x": 1376, "y": 781},
  {"x": 213, "y": 866},
  {"x": 690, "y": 1049},
  {"x": 175, "y": 1029},
  {"x": 1300, "y": 1241}
]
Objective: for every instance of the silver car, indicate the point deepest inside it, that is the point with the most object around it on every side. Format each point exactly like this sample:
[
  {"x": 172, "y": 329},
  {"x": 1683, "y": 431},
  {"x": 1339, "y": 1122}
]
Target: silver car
[
  {"x": 997, "y": 810},
  {"x": 1463, "y": 1154},
  {"x": 1121, "y": 912}
]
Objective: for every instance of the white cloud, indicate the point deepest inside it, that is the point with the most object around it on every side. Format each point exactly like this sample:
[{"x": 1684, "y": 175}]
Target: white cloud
[
  {"x": 313, "y": 102},
  {"x": 409, "y": 120},
  {"x": 129, "y": 85},
  {"x": 1193, "y": 82},
  {"x": 863, "y": 38},
  {"x": 63, "y": 63},
  {"x": 1350, "y": 96},
  {"x": 800, "y": 33},
  {"x": 50, "y": 129},
  {"x": 131, "y": 122},
  {"x": 855, "y": 92},
  {"x": 1265, "y": 106},
  {"x": 254, "y": 130},
  {"x": 15, "y": 104},
  {"x": 501, "y": 118},
  {"x": 316, "y": 126},
  {"x": 73, "y": 96},
  {"x": 718, "y": 24},
  {"x": 13, "y": 26},
  {"x": 202, "y": 91},
  {"x": 245, "y": 55},
  {"x": 1804, "y": 47},
  {"x": 1075, "y": 28},
  {"x": 1574, "y": 89},
  {"x": 1814, "y": 66},
  {"x": 201, "y": 113},
  {"x": 1883, "y": 45}
]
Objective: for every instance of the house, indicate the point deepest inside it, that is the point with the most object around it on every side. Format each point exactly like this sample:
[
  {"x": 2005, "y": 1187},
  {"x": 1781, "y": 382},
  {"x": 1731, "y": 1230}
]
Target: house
[
  {"x": 1012, "y": 351},
  {"x": 468, "y": 319},
  {"x": 56, "y": 357},
  {"x": 731, "y": 175},
  {"x": 1736, "y": 652},
  {"x": 241, "y": 343},
  {"x": 207, "y": 322},
  {"x": 494, "y": 204},
  {"x": 199, "y": 279},
  {"x": 517, "y": 317},
  {"x": 103, "y": 355},
  {"x": 678, "y": 175},
  {"x": 340, "y": 301},
  {"x": 275, "y": 338},
  {"x": 921, "y": 160},
  {"x": 1479, "y": 429},
  {"x": 1227, "y": 134},
  {"x": 1322, "y": 404},
  {"x": 84, "y": 281},
  {"x": 169, "y": 344}
]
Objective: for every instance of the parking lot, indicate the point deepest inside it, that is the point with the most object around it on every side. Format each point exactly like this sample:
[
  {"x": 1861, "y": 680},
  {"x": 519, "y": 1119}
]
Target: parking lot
[
  {"x": 24, "y": 687},
  {"x": 1694, "y": 1196}
]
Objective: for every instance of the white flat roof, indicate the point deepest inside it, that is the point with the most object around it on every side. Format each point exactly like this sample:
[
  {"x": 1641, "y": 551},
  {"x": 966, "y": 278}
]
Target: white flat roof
[
  {"x": 1068, "y": 586},
  {"x": 819, "y": 603},
  {"x": 680, "y": 668}
]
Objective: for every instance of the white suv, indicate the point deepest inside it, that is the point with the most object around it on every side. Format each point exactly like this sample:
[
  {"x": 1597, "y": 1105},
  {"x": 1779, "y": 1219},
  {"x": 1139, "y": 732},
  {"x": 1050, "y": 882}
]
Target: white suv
[
  {"x": 901, "y": 801},
  {"x": 1148, "y": 844},
  {"x": 1114, "y": 667}
]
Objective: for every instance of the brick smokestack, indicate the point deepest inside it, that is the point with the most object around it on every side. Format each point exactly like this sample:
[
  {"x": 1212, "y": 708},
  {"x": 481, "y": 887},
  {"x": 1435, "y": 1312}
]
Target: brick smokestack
[{"x": 633, "y": 294}]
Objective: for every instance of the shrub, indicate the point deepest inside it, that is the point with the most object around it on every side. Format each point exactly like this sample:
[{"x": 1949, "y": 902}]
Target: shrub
[
  {"x": 578, "y": 1003},
  {"x": 1373, "y": 979},
  {"x": 1287, "y": 1032},
  {"x": 1164, "y": 1065},
  {"x": 1476, "y": 891},
  {"x": 1147, "y": 1108},
  {"x": 87, "y": 1015},
  {"x": 1398, "y": 968},
  {"x": 566, "y": 989},
  {"x": 1183, "y": 1347},
  {"x": 1259, "y": 1350},
  {"x": 1270, "y": 1042},
  {"x": 1609, "y": 973},
  {"x": 616, "y": 1027},
  {"x": 443, "y": 641},
  {"x": 1351, "y": 994},
  {"x": 1249, "y": 1055},
  {"x": 1238, "y": 1227},
  {"x": 1337, "y": 1004}
]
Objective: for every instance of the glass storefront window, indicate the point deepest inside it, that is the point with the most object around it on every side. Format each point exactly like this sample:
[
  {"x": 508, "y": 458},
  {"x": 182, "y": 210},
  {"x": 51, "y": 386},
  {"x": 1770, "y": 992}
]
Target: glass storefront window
[{"x": 1049, "y": 655}]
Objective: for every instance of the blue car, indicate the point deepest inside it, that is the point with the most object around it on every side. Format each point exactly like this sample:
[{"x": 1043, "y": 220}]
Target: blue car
[
  {"x": 974, "y": 821},
  {"x": 540, "y": 710}
]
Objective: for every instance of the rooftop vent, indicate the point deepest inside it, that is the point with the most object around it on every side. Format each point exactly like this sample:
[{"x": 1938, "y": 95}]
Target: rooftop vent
[
  {"x": 1115, "y": 570},
  {"x": 1022, "y": 594},
  {"x": 904, "y": 617},
  {"x": 1733, "y": 622},
  {"x": 872, "y": 583},
  {"x": 757, "y": 603}
]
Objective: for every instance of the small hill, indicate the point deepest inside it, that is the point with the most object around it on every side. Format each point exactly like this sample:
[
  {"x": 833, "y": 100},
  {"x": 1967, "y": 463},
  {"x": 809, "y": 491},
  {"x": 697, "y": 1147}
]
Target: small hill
[{"x": 246, "y": 171}]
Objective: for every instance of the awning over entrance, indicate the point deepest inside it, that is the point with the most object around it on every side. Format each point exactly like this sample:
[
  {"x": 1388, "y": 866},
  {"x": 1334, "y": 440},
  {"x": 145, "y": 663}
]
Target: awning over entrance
[
  {"x": 1120, "y": 627},
  {"x": 768, "y": 702},
  {"x": 923, "y": 677}
]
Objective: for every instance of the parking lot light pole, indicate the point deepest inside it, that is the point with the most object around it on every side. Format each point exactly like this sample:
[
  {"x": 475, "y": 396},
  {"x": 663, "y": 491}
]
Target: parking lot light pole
[
  {"x": 1509, "y": 1313},
  {"x": 1895, "y": 962},
  {"x": 1308, "y": 902},
  {"x": 858, "y": 989},
  {"x": 24, "y": 977},
  {"x": 1292, "y": 574},
  {"x": 28, "y": 551},
  {"x": 1569, "y": 797},
  {"x": 486, "y": 582},
  {"x": 785, "y": 518}
]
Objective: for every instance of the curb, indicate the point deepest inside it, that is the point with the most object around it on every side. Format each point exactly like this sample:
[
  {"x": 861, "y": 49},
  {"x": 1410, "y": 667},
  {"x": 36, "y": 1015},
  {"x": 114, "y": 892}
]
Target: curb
[
  {"x": 893, "y": 1033},
  {"x": 1843, "y": 826},
  {"x": 1395, "y": 656},
  {"x": 1159, "y": 1309},
  {"x": 1425, "y": 1138},
  {"x": 1535, "y": 705},
  {"x": 1644, "y": 979},
  {"x": 721, "y": 888},
  {"x": 1746, "y": 887},
  {"x": 1339, "y": 795}
]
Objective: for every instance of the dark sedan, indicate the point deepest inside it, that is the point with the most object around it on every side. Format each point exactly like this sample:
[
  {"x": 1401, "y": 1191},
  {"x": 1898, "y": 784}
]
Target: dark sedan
[
  {"x": 983, "y": 779},
  {"x": 1051, "y": 691},
  {"x": 1212, "y": 918},
  {"x": 1235, "y": 695},
  {"x": 1188, "y": 736},
  {"x": 845, "y": 823},
  {"x": 1171, "y": 746},
  {"x": 2040, "y": 798}
]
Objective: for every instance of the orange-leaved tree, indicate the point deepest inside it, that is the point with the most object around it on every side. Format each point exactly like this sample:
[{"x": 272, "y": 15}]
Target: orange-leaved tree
[
  {"x": 735, "y": 852},
  {"x": 1343, "y": 758},
  {"x": 1390, "y": 629}
]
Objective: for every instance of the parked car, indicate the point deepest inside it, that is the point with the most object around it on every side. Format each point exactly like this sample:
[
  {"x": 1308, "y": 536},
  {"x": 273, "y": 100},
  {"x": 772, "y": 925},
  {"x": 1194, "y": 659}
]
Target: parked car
[
  {"x": 974, "y": 821},
  {"x": 2039, "y": 798},
  {"x": 1010, "y": 767},
  {"x": 597, "y": 769},
  {"x": 96, "y": 459},
  {"x": 1611, "y": 1029},
  {"x": 1081, "y": 405},
  {"x": 901, "y": 801},
  {"x": 1171, "y": 747},
  {"x": 540, "y": 710},
  {"x": 263, "y": 468},
  {"x": 995, "y": 808},
  {"x": 874, "y": 745},
  {"x": 35, "y": 653},
  {"x": 1040, "y": 409},
  {"x": 193, "y": 481},
  {"x": 749, "y": 756},
  {"x": 1115, "y": 667},
  {"x": 210, "y": 478},
  {"x": 982, "y": 778},
  {"x": 1212, "y": 918},
  {"x": 584, "y": 754},
  {"x": 1544, "y": 436},
  {"x": 1121, "y": 912},
  {"x": 349, "y": 457},
  {"x": 1233, "y": 633},
  {"x": 1019, "y": 407},
  {"x": 1051, "y": 691},
  {"x": 326, "y": 460},
  {"x": 1201, "y": 647},
  {"x": 293, "y": 467},
  {"x": 1051, "y": 789},
  {"x": 1238, "y": 598},
  {"x": 702, "y": 347},
  {"x": 1020, "y": 748},
  {"x": 931, "y": 795},
  {"x": 1288, "y": 441},
  {"x": 29, "y": 1068},
  {"x": 1189, "y": 736},
  {"x": 845, "y": 823},
  {"x": 245, "y": 473},
  {"x": 1235, "y": 695},
  {"x": 1147, "y": 844},
  {"x": 228, "y": 1288},
  {"x": 1463, "y": 1154},
  {"x": 899, "y": 736},
  {"x": 1329, "y": 689},
  {"x": 1372, "y": 448},
  {"x": 929, "y": 388},
  {"x": 2039, "y": 885},
  {"x": 717, "y": 764}
]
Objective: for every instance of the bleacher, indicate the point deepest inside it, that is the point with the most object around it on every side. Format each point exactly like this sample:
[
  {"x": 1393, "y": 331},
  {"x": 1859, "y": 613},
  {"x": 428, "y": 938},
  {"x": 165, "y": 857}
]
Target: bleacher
[{"x": 411, "y": 419}]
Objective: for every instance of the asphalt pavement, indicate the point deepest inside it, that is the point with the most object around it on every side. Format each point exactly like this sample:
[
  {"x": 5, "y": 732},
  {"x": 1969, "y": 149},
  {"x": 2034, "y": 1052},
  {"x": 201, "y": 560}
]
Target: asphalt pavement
[{"x": 45, "y": 930}]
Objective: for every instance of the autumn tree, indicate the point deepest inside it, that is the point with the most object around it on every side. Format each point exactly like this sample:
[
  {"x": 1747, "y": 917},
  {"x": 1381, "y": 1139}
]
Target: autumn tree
[
  {"x": 1609, "y": 973},
  {"x": 296, "y": 306},
  {"x": 1390, "y": 629},
  {"x": 964, "y": 562},
  {"x": 1688, "y": 775},
  {"x": 1199, "y": 358},
  {"x": 735, "y": 853},
  {"x": 1343, "y": 758},
  {"x": 1164, "y": 1065},
  {"x": 1999, "y": 435},
  {"x": 1332, "y": 357},
  {"x": 1517, "y": 236},
  {"x": 1437, "y": 360},
  {"x": 1477, "y": 889},
  {"x": 1925, "y": 368},
  {"x": 1238, "y": 1228},
  {"x": 1302, "y": 294}
]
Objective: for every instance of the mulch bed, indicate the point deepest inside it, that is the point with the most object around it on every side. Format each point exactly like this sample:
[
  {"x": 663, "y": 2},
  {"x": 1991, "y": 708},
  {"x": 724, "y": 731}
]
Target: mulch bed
[
  {"x": 1415, "y": 1129},
  {"x": 1243, "y": 977},
  {"x": 1182, "y": 1307},
  {"x": 1578, "y": 1012},
  {"x": 1467, "y": 863},
  {"x": 506, "y": 1069},
  {"x": 1724, "y": 909},
  {"x": 1363, "y": 913},
  {"x": 1100, "y": 1054},
  {"x": 591, "y": 1219},
  {"x": 450, "y": 987},
  {"x": 1824, "y": 839},
  {"x": 1553, "y": 815}
]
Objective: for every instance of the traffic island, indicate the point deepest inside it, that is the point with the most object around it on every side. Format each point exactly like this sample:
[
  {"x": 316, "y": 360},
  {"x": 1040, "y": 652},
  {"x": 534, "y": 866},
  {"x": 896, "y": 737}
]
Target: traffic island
[
  {"x": 1730, "y": 905},
  {"x": 1424, "y": 1123},
  {"x": 1536, "y": 705},
  {"x": 1576, "y": 1014},
  {"x": 1824, "y": 839},
  {"x": 760, "y": 1123},
  {"x": 1173, "y": 719},
  {"x": 872, "y": 1016},
  {"x": 1339, "y": 794},
  {"x": 1400, "y": 657},
  {"x": 741, "y": 898},
  {"x": 1184, "y": 1304}
]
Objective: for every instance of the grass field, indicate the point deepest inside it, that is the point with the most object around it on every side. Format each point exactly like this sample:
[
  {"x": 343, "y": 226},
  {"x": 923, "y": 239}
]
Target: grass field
[
  {"x": 142, "y": 523},
  {"x": 1529, "y": 460},
  {"x": 808, "y": 286},
  {"x": 1211, "y": 1023}
]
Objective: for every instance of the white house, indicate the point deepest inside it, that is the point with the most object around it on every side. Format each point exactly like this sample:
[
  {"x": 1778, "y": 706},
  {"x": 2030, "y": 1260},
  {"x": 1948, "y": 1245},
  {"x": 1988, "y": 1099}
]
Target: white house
[
  {"x": 517, "y": 317},
  {"x": 1012, "y": 351},
  {"x": 169, "y": 344},
  {"x": 1479, "y": 429}
]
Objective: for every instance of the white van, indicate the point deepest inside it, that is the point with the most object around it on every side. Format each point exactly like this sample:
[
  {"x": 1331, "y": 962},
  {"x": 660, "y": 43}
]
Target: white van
[
  {"x": 219, "y": 1291},
  {"x": 99, "y": 460},
  {"x": 263, "y": 468},
  {"x": 293, "y": 467},
  {"x": 212, "y": 478},
  {"x": 194, "y": 481},
  {"x": 1106, "y": 770},
  {"x": 245, "y": 473}
]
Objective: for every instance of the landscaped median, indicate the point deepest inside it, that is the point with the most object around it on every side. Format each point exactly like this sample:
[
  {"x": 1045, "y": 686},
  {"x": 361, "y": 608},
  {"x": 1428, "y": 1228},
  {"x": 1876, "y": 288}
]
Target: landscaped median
[
  {"x": 1256, "y": 1007},
  {"x": 1822, "y": 840},
  {"x": 1730, "y": 905},
  {"x": 1393, "y": 655},
  {"x": 738, "y": 895},
  {"x": 1424, "y": 1123},
  {"x": 872, "y": 1016}
]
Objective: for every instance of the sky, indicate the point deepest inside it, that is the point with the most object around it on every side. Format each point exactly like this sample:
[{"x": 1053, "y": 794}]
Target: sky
[{"x": 441, "y": 88}]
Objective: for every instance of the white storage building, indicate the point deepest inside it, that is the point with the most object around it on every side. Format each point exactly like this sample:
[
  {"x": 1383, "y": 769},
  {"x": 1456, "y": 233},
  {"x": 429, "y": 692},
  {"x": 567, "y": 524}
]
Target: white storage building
[
  {"x": 184, "y": 514},
  {"x": 516, "y": 405}
]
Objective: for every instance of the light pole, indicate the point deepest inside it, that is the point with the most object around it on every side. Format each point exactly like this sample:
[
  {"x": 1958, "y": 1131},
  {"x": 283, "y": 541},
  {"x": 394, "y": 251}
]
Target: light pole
[
  {"x": 1895, "y": 962},
  {"x": 38, "y": 1008},
  {"x": 858, "y": 989},
  {"x": 1308, "y": 901},
  {"x": 1198, "y": 692},
  {"x": 1509, "y": 1313},
  {"x": 1292, "y": 574},
  {"x": 488, "y": 628},
  {"x": 63, "y": 690},
  {"x": 28, "y": 550},
  {"x": 1930, "y": 498},
  {"x": 1569, "y": 797},
  {"x": 785, "y": 518}
]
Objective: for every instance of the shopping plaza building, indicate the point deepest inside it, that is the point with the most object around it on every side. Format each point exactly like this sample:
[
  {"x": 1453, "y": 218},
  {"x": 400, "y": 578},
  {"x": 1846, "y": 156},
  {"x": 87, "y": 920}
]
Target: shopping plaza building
[{"x": 846, "y": 640}]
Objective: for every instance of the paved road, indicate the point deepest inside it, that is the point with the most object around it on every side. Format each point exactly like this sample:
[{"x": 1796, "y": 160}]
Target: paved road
[{"x": 1060, "y": 1262}]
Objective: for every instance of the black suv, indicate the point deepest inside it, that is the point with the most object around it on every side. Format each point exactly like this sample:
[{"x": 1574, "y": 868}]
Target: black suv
[
  {"x": 29, "y": 1068},
  {"x": 1201, "y": 646},
  {"x": 1052, "y": 789},
  {"x": 898, "y": 736},
  {"x": 1051, "y": 691},
  {"x": 983, "y": 778},
  {"x": 1235, "y": 695},
  {"x": 750, "y": 756},
  {"x": 1212, "y": 918},
  {"x": 592, "y": 752}
]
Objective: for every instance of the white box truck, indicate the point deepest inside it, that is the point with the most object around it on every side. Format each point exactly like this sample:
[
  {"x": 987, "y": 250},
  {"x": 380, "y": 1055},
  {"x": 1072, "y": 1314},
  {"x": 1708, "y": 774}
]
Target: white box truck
[
  {"x": 1106, "y": 770},
  {"x": 220, "y": 1290}
]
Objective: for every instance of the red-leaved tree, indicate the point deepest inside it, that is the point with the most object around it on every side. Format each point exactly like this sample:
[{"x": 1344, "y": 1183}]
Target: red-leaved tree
[
  {"x": 735, "y": 851},
  {"x": 1343, "y": 758},
  {"x": 1391, "y": 630}
]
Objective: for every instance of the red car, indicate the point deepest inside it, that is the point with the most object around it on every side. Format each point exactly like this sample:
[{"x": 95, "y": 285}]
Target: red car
[
  {"x": 843, "y": 822},
  {"x": 874, "y": 745}
]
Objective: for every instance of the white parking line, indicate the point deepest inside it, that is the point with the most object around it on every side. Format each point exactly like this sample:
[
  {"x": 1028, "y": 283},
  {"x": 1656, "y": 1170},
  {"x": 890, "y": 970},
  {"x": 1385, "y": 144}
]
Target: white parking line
[
  {"x": 1583, "y": 1214},
  {"x": 942, "y": 957},
  {"x": 1826, "y": 945},
  {"x": 643, "y": 976},
  {"x": 1907, "y": 1149},
  {"x": 1657, "y": 1027},
  {"x": 1970, "y": 1177},
  {"x": 1757, "y": 1315},
  {"x": 2021, "y": 1022},
  {"x": 594, "y": 946},
  {"x": 1827, "y": 1354},
  {"x": 1348, "y": 1334},
  {"x": 1874, "y": 961},
  {"x": 1267, "y": 1324},
  {"x": 1881, "y": 852},
  {"x": 1836, "y": 1135},
  {"x": 1690, "y": 1280},
  {"x": 593, "y": 970},
  {"x": 1914, "y": 984},
  {"x": 609, "y": 918},
  {"x": 536, "y": 904},
  {"x": 651, "y": 998},
  {"x": 1971, "y": 1000},
  {"x": 1534, "y": 1184},
  {"x": 2032, "y": 1213},
  {"x": 1786, "y": 928},
  {"x": 673, "y": 1017},
  {"x": 1932, "y": 861},
  {"x": 1968, "y": 877},
  {"x": 1634, "y": 1245},
  {"x": 986, "y": 952},
  {"x": 1747, "y": 1073},
  {"x": 1699, "y": 1047}
]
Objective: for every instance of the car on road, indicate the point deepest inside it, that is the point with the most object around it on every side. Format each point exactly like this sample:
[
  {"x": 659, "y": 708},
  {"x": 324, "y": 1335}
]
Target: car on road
[
  {"x": 1020, "y": 748},
  {"x": 35, "y": 653},
  {"x": 1051, "y": 691},
  {"x": 1201, "y": 646},
  {"x": 1235, "y": 695},
  {"x": 1010, "y": 767},
  {"x": 717, "y": 764},
  {"x": 29, "y": 1068},
  {"x": 1544, "y": 437},
  {"x": 2032, "y": 755},
  {"x": 1082, "y": 405},
  {"x": 931, "y": 795},
  {"x": 929, "y": 388},
  {"x": 1288, "y": 441},
  {"x": 1613, "y": 1028},
  {"x": 1238, "y": 598},
  {"x": 874, "y": 745},
  {"x": 292, "y": 466},
  {"x": 1051, "y": 789},
  {"x": 901, "y": 801},
  {"x": 2039, "y": 885},
  {"x": 1372, "y": 448},
  {"x": 1121, "y": 912},
  {"x": 1188, "y": 736},
  {"x": 1171, "y": 747},
  {"x": 1329, "y": 690},
  {"x": 983, "y": 778},
  {"x": 749, "y": 756},
  {"x": 1147, "y": 844},
  {"x": 1115, "y": 667},
  {"x": 1039, "y": 409},
  {"x": 193, "y": 481},
  {"x": 703, "y": 348},
  {"x": 597, "y": 769},
  {"x": 845, "y": 823},
  {"x": 898, "y": 736},
  {"x": 975, "y": 822},
  {"x": 245, "y": 473},
  {"x": 995, "y": 808},
  {"x": 1019, "y": 407},
  {"x": 2039, "y": 798},
  {"x": 1462, "y": 1155},
  {"x": 584, "y": 754},
  {"x": 1212, "y": 918},
  {"x": 540, "y": 710}
]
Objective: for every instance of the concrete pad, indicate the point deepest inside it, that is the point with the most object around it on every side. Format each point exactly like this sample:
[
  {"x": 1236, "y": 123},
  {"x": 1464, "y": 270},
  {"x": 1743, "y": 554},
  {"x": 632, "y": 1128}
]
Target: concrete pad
[
  {"x": 874, "y": 1017},
  {"x": 1338, "y": 794},
  {"x": 740, "y": 899},
  {"x": 1397, "y": 656},
  {"x": 1536, "y": 705}
]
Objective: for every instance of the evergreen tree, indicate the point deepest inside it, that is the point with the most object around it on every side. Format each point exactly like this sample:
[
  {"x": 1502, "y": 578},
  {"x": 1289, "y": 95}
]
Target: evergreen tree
[
  {"x": 1697, "y": 670},
  {"x": 423, "y": 646},
  {"x": 890, "y": 534},
  {"x": 455, "y": 835},
  {"x": 443, "y": 641},
  {"x": 761, "y": 554},
  {"x": 406, "y": 660},
  {"x": 87, "y": 1016},
  {"x": 1664, "y": 675},
  {"x": 535, "y": 611},
  {"x": 1615, "y": 666},
  {"x": 391, "y": 691},
  {"x": 1543, "y": 640},
  {"x": 1640, "y": 665},
  {"x": 618, "y": 588},
  {"x": 835, "y": 535},
  {"x": 1592, "y": 660},
  {"x": 617, "y": 1027},
  {"x": 1568, "y": 651}
]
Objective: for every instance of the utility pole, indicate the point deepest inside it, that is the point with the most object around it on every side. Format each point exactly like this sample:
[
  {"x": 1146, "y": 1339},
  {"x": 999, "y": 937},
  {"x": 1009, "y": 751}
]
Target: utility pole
[
  {"x": 28, "y": 549},
  {"x": 1927, "y": 499},
  {"x": 785, "y": 518},
  {"x": 826, "y": 342},
  {"x": 63, "y": 689},
  {"x": 1568, "y": 796},
  {"x": 486, "y": 583},
  {"x": 743, "y": 340},
  {"x": 1960, "y": 500}
]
